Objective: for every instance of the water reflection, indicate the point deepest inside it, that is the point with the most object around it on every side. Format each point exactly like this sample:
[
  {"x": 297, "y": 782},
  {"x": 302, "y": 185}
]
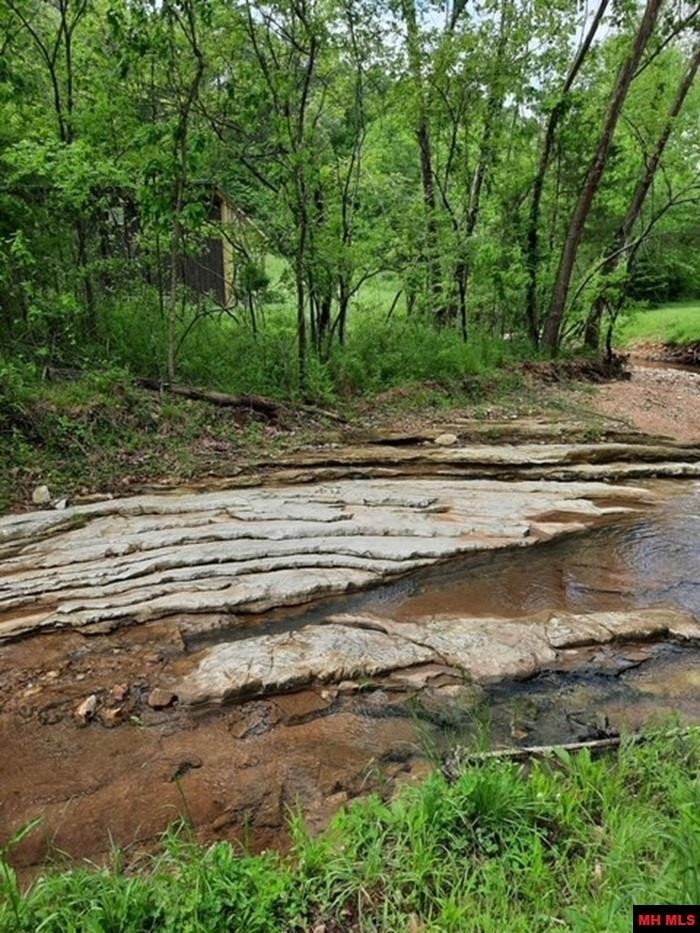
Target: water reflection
[{"x": 651, "y": 560}]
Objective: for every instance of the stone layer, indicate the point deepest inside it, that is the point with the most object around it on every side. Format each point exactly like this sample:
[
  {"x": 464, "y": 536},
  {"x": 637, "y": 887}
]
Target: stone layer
[
  {"x": 351, "y": 647},
  {"x": 100, "y": 566}
]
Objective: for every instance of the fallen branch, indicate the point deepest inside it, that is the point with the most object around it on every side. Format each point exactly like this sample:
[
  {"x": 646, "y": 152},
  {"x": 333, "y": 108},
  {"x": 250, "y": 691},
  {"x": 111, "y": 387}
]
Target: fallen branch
[
  {"x": 257, "y": 403},
  {"x": 460, "y": 758}
]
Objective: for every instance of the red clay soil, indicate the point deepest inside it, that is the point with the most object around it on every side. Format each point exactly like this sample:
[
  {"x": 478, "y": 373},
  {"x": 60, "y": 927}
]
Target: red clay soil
[{"x": 131, "y": 770}]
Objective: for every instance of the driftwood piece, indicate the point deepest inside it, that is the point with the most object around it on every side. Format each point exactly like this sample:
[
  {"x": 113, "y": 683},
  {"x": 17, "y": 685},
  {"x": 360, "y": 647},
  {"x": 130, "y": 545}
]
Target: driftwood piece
[
  {"x": 535, "y": 751},
  {"x": 460, "y": 758}
]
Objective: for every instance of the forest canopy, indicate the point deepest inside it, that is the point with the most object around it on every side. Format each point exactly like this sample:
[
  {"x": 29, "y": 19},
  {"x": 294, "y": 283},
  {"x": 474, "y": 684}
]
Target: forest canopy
[{"x": 358, "y": 174}]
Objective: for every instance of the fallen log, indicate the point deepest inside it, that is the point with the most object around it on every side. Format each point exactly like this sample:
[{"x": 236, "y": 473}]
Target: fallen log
[{"x": 257, "y": 403}]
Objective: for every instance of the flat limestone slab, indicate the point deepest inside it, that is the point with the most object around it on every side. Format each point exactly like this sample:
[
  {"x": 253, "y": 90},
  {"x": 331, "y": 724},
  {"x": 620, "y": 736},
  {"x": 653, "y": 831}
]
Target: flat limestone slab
[
  {"x": 144, "y": 558},
  {"x": 348, "y": 647}
]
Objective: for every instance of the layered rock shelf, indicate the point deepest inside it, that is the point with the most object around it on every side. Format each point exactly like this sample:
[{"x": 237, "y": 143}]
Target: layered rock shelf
[
  {"x": 358, "y": 647},
  {"x": 423, "y": 455},
  {"x": 134, "y": 659},
  {"x": 224, "y": 554}
]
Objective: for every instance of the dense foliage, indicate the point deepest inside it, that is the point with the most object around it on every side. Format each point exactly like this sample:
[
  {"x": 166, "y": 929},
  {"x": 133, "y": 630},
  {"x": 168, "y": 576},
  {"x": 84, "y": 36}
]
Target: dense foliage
[
  {"x": 567, "y": 844},
  {"x": 506, "y": 169}
]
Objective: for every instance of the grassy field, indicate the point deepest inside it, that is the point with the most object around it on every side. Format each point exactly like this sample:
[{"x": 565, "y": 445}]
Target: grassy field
[
  {"x": 568, "y": 844},
  {"x": 674, "y": 323}
]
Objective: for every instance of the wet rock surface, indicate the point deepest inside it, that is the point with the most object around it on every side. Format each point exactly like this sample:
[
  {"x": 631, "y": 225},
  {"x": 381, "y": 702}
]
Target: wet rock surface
[
  {"x": 137, "y": 560},
  {"x": 360, "y": 647}
]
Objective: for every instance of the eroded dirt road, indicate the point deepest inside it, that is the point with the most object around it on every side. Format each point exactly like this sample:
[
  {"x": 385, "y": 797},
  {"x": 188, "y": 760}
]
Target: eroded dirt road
[{"x": 656, "y": 400}]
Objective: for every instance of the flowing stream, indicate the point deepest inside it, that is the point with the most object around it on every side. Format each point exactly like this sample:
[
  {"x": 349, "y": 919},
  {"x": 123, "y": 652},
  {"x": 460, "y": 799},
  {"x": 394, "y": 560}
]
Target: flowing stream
[{"x": 649, "y": 561}]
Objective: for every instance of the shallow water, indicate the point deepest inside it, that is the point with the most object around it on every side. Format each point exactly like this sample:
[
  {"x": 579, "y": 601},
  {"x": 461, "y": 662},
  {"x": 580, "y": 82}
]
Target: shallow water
[{"x": 651, "y": 560}]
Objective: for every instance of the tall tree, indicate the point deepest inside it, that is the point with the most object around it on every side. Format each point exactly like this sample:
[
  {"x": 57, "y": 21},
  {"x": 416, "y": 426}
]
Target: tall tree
[
  {"x": 574, "y": 234},
  {"x": 425, "y": 148},
  {"x": 554, "y": 118},
  {"x": 181, "y": 15},
  {"x": 622, "y": 241}
]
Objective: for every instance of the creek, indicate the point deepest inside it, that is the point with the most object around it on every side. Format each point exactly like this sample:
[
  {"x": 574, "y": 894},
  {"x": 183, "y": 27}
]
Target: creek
[{"x": 234, "y": 770}]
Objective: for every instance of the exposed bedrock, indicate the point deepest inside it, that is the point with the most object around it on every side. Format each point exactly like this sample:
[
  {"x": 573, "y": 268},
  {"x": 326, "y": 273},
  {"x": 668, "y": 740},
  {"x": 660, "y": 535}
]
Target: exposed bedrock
[
  {"x": 351, "y": 647},
  {"x": 118, "y": 562},
  {"x": 399, "y": 455}
]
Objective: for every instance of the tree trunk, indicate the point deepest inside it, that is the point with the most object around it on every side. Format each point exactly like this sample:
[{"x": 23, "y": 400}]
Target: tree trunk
[
  {"x": 619, "y": 251},
  {"x": 552, "y": 330},
  {"x": 343, "y": 305},
  {"x": 494, "y": 106},
  {"x": 301, "y": 301},
  {"x": 81, "y": 237},
  {"x": 532, "y": 257},
  {"x": 174, "y": 277},
  {"x": 180, "y": 153},
  {"x": 432, "y": 255}
]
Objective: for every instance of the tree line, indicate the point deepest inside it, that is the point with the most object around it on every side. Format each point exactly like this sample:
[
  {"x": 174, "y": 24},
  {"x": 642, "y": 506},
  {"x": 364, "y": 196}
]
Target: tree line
[{"x": 512, "y": 166}]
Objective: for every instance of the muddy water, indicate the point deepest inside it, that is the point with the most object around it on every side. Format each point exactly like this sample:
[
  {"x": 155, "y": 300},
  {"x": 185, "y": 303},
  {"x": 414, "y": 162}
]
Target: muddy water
[
  {"x": 649, "y": 561},
  {"x": 235, "y": 771}
]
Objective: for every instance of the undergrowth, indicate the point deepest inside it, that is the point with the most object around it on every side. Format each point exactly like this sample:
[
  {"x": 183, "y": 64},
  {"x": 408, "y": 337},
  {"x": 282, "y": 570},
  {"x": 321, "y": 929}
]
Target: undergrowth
[
  {"x": 570, "y": 843},
  {"x": 101, "y": 432}
]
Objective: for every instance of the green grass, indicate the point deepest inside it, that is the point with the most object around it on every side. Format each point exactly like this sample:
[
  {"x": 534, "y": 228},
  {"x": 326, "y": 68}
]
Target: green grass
[
  {"x": 567, "y": 844},
  {"x": 674, "y": 323},
  {"x": 378, "y": 354}
]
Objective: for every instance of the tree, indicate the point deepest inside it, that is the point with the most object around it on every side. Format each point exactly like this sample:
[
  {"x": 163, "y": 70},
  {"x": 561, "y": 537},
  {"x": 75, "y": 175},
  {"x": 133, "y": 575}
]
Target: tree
[
  {"x": 431, "y": 252},
  {"x": 622, "y": 244},
  {"x": 555, "y": 116},
  {"x": 553, "y": 324}
]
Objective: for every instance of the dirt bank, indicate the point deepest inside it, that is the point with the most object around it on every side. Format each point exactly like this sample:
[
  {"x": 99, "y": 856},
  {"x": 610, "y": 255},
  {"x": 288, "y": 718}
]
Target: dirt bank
[{"x": 658, "y": 401}]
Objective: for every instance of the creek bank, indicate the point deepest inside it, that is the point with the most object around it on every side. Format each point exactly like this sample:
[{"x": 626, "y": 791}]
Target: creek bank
[{"x": 678, "y": 354}]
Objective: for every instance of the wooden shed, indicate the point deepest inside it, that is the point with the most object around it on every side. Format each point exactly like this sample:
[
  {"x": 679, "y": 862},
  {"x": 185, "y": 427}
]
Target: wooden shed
[
  {"x": 207, "y": 271},
  {"x": 211, "y": 271}
]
